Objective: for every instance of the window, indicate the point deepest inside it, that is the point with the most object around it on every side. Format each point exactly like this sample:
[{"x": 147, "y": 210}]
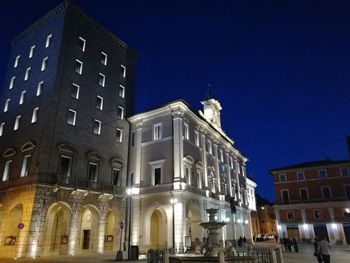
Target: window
[
  {"x": 44, "y": 63},
  {"x": 99, "y": 102},
  {"x": 16, "y": 126},
  {"x": 27, "y": 74},
  {"x": 119, "y": 135},
  {"x": 101, "y": 79},
  {"x": 188, "y": 174},
  {"x": 120, "y": 113},
  {"x": 157, "y": 131},
  {"x": 16, "y": 61},
  {"x": 12, "y": 82},
  {"x": 157, "y": 176},
  {"x": 78, "y": 67},
  {"x": 290, "y": 215},
  {"x": 25, "y": 165},
  {"x": 48, "y": 40},
  {"x": 7, "y": 171},
  {"x": 317, "y": 214},
  {"x": 2, "y": 125},
  {"x": 322, "y": 173},
  {"x": 326, "y": 192},
  {"x": 93, "y": 171},
  {"x": 104, "y": 58},
  {"x": 121, "y": 91},
  {"x": 122, "y": 71},
  {"x": 196, "y": 138},
  {"x": 231, "y": 162},
  {"x": 65, "y": 166},
  {"x": 31, "y": 51},
  {"x": 285, "y": 196},
  {"x": 21, "y": 99},
  {"x": 35, "y": 115},
  {"x": 187, "y": 131},
  {"x": 300, "y": 176},
  {"x": 97, "y": 127},
  {"x": 303, "y": 194},
  {"x": 71, "y": 117},
  {"x": 210, "y": 148},
  {"x": 7, "y": 103},
  {"x": 75, "y": 91},
  {"x": 39, "y": 89},
  {"x": 344, "y": 171},
  {"x": 282, "y": 177},
  {"x": 115, "y": 176},
  {"x": 81, "y": 44}
]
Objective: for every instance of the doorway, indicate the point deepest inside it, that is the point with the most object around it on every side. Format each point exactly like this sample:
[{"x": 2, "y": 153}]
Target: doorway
[{"x": 86, "y": 239}]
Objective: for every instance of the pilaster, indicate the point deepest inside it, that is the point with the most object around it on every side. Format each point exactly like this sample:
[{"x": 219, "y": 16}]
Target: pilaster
[{"x": 178, "y": 144}]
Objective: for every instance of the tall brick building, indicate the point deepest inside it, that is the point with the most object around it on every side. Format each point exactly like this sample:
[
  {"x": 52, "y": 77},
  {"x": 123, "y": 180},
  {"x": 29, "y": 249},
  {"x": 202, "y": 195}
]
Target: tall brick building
[
  {"x": 313, "y": 199},
  {"x": 64, "y": 136}
]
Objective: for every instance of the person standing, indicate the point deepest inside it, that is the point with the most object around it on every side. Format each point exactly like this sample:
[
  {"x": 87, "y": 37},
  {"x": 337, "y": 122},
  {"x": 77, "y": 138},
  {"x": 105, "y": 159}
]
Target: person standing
[
  {"x": 295, "y": 245},
  {"x": 323, "y": 248}
]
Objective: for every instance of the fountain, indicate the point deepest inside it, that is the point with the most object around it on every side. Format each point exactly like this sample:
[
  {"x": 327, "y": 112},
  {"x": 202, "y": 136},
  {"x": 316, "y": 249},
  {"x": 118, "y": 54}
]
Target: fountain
[{"x": 213, "y": 226}]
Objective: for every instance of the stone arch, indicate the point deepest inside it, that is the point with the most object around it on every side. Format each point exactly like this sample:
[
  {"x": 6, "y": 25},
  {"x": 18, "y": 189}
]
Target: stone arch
[
  {"x": 9, "y": 152},
  {"x": 57, "y": 229},
  {"x": 156, "y": 228},
  {"x": 88, "y": 234},
  {"x": 194, "y": 217},
  {"x": 28, "y": 146}
]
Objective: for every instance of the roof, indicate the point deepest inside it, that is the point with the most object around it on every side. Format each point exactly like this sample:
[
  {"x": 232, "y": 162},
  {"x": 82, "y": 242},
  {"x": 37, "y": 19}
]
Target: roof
[{"x": 326, "y": 162}]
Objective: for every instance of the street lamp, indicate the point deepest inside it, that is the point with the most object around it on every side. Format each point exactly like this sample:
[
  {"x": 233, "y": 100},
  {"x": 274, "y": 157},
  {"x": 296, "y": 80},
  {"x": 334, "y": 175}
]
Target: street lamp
[{"x": 120, "y": 252}]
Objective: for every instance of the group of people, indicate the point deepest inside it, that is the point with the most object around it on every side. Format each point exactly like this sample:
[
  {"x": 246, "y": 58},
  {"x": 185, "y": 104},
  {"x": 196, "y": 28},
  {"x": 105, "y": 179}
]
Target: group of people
[
  {"x": 322, "y": 250},
  {"x": 290, "y": 244},
  {"x": 241, "y": 241}
]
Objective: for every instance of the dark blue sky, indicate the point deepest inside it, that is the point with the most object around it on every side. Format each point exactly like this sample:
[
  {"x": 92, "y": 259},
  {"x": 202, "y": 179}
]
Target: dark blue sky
[{"x": 280, "y": 70}]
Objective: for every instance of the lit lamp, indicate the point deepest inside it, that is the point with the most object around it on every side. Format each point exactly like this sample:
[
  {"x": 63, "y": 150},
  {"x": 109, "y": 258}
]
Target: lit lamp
[{"x": 120, "y": 252}]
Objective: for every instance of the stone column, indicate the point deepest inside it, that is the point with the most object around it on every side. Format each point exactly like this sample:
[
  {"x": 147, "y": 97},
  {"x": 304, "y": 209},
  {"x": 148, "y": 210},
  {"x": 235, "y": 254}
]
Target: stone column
[
  {"x": 138, "y": 142},
  {"x": 236, "y": 171},
  {"x": 135, "y": 220},
  {"x": 103, "y": 209},
  {"x": 204, "y": 160},
  {"x": 179, "y": 228},
  {"x": 228, "y": 172},
  {"x": 178, "y": 145},
  {"x": 75, "y": 223},
  {"x": 217, "y": 170}
]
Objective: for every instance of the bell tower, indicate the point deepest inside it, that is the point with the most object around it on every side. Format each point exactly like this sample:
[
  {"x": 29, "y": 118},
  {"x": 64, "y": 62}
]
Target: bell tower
[{"x": 212, "y": 108}]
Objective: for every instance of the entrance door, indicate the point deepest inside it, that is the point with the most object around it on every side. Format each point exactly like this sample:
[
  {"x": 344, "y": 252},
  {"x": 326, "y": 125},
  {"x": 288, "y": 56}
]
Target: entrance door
[
  {"x": 347, "y": 233},
  {"x": 321, "y": 231},
  {"x": 86, "y": 239}
]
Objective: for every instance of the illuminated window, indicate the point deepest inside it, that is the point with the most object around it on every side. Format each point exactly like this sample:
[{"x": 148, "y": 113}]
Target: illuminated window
[
  {"x": 25, "y": 165},
  {"x": 187, "y": 131},
  {"x": 2, "y": 125},
  {"x": 119, "y": 135},
  {"x": 7, "y": 103},
  {"x": 27, "y": 73},
  {"x": 122, "y": 71},
  {"x": 12, "y": 82},
  {"x": 31, "y": 51},
  {"x": 7, "y": 171},
  {"x": 120, "y": 113},
  {"x": 121, "y": 91},
  {"x": 21, "y": 99},
  {"x": 35, "y": 115},
  {"x": 81, "y": 44},
  {"x": 48, "y": 40},
  {"x": 16, "y": 126},
  {"x": 71, "y": 117},
  {"x": 101, "y": 79},
  {"x": 75, "y": 89},
  {"x": 221, "y": 156},
  {"x": 44, "y": 63},
  {"x": 39, "y": 89},
  {"x": 16, "y": 61},
  {"x": 99, "y": 103},
  {"x": 157, "y": 131},
  {"x": 97, "y": 127},
  {"x": 104, "y": 58},
  {"x": 78, "y": 67}
]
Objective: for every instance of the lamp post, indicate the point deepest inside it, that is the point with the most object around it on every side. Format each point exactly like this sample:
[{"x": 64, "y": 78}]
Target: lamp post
[{"x": 120, "y": 252}]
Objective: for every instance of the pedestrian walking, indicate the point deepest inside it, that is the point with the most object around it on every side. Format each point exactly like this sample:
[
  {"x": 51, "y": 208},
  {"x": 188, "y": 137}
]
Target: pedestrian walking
[
  {"x": 295, "y": 245},
  {"x": 323, "y": 249},
  {"x": 289, "y": 244}
]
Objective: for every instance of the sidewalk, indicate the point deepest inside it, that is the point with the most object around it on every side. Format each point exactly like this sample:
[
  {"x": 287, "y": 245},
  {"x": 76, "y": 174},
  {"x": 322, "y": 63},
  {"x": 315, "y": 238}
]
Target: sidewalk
[{"x": 339, "y": 254}]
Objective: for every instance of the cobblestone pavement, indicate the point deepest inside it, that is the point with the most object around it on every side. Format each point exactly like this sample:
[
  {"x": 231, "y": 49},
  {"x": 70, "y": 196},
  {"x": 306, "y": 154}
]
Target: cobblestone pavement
[{"x": 339, "y": 254}]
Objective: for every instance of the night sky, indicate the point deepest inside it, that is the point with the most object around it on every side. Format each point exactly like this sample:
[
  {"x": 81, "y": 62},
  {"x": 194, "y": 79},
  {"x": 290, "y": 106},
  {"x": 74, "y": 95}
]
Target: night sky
[{"x": 280, "y": 70}]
